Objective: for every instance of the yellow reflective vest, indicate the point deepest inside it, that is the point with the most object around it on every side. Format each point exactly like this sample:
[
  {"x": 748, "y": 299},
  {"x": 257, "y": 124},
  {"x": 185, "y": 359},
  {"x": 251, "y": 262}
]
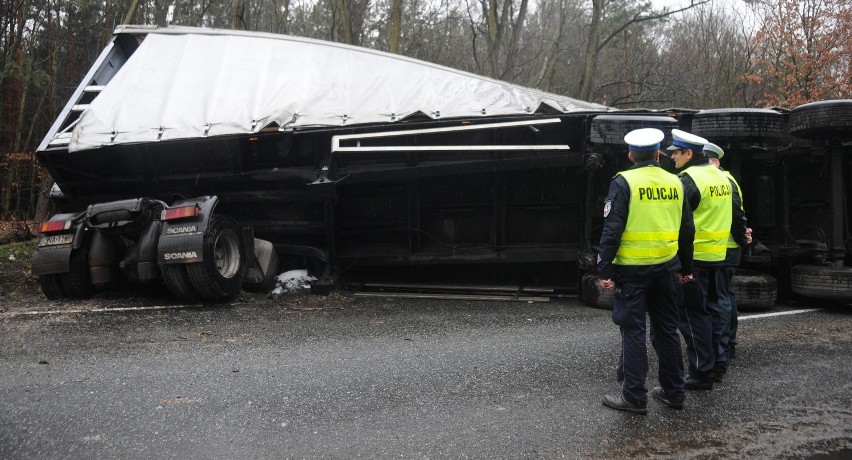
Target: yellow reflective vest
[
  {"x": 653, "y": 217},
  {"x": 732, "y": 244},
  {"x": 713, "y": 215}
]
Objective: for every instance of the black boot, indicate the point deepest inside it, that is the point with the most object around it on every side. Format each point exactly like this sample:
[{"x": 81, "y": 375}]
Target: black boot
[
  {"x": 617, "y": 402},
  {"x": 698, "y": 383},
  {"x": 660, "y": 395},
  {"x": 719, "y": 372}
]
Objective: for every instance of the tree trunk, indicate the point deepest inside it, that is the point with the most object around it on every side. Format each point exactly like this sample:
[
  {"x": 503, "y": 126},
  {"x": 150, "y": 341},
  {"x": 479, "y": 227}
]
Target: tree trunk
[
  {"x": 395, "y": 26},
  {"x": 161, "y": 12},
  {"x": 131, "y": 12},
  {"x": 282, "y": 20},
  {"x": 12, "y": 110},
  {"x": 235, "y": 14},
  {"x": 343, "y": 21},
  {"x": 591, "y": 57},
  {"x": 44, "y": 208},
  {"x": 493, "y": 56},
  {"x": 544, "y": 79},
  {"x": 517, "y": 31}
]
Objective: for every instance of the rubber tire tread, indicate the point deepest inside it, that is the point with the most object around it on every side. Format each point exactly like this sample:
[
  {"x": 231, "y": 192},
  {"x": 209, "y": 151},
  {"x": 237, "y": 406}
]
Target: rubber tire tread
[
  {"x": 732, "y": 125},
  {"x": 51, "y": 286},
  {"x": 76, "y": 282},
  {"x": 831, "y": 283},
  {"x": 593, "y": 295},
  {"x": 204, "y": 275},
  {"x": 821, "y": 119},
  {"x": 177, "y": 281},
  {"x": 610, "y": 129},
  {"x": 754, "y": 290}
]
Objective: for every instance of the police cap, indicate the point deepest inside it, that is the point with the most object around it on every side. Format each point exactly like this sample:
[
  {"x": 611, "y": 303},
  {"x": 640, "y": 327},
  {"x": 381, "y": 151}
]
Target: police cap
[
  {"x": 644, "y": 139},
  {"x": 685, "y": 140},
  {"x": 713, "y": 150}
]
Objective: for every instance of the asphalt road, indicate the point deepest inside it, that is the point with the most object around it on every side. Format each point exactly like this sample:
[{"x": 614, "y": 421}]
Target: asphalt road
[{"x": 403, "y": 378}]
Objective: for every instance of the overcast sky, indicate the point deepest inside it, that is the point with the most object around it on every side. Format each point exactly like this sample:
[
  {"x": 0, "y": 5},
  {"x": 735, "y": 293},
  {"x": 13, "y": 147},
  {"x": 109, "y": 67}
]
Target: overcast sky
[{"x": 735, "y": 6}]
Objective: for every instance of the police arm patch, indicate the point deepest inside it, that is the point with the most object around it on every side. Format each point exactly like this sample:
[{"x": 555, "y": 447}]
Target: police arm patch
[{"x": 607, "y": 207}]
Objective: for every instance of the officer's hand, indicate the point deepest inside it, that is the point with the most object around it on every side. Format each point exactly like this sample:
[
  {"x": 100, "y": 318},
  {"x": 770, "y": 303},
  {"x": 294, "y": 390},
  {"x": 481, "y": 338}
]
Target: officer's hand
[
  {"x": 748, "y": 235},
  {"x": 685, "y": 278},
  {"x": 607, "y": 284}
]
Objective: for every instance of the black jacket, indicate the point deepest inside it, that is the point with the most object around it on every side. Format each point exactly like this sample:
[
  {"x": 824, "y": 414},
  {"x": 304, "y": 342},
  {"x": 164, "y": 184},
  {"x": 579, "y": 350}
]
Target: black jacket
[{"x": 615, "y": 219}]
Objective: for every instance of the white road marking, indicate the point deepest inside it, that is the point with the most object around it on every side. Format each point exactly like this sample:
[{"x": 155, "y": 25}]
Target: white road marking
[
  {"x": 780, "y": 313},
  {"x": 97, "y": 310},
  {"x": 183, "y": 307}
]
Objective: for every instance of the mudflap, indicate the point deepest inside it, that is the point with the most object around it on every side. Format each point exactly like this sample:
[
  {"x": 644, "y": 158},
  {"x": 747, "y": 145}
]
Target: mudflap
[
  {"x": 182, "y": 241},
  {"x": 263, "y": 268},
  {"x": 52, "y": 260}
]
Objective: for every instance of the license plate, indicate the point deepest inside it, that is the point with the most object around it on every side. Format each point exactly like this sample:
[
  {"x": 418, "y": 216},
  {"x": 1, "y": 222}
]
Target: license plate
[{"x": 55, "y": 239}]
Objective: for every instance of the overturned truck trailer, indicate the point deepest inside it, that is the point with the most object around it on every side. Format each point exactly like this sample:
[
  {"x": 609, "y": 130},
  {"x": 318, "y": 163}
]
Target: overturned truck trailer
[
  {"x": 210, "y": 160},
  {"x": 206, "y": 159}
]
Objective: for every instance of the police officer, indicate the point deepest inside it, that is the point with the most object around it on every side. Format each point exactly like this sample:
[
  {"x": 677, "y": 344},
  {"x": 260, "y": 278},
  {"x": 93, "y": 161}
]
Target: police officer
[
  {"x": 724, "y": 277},
  {"x": 709, "y": 195},
  {"x": 645, "y": 250}
]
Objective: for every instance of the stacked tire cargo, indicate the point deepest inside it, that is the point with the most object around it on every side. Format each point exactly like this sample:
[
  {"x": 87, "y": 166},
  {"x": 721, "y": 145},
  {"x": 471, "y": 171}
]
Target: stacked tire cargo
[
  {"x": 754, "y": 140},
  {"x": 794, "y": 167},
  {"x": 828, "y": 125}
]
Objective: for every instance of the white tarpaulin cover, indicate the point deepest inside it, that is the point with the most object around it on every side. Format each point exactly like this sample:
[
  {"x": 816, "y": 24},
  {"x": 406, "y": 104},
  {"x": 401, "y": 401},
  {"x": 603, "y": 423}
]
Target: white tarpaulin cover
[{"x": 188, "y": 83}]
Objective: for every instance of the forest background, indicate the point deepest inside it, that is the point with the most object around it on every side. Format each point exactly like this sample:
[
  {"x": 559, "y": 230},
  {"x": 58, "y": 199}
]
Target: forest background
[{"x": 621, "y": 53}]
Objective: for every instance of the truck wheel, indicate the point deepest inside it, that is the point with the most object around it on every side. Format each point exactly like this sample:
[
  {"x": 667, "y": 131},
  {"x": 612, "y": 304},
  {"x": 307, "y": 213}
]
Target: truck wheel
[
  {"x": 754, "y": 290},
  {"x": 220, "y": 275},
  {"x": 76, "y": 283},
  {"x": 831, "y": 283},
  {"x": 593, "y": 295},
  {"x": 738, "y": 125},
  {"x": 823, "y": 119},
  {"x": 177, "y": 281},
  {"x": 51, "y": 286},
  {"x": 610, "y": 129}
]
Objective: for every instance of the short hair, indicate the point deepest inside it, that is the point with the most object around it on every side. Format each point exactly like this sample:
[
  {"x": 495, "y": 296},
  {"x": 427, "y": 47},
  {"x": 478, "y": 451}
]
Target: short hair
[{"x": 643, "y": 156}]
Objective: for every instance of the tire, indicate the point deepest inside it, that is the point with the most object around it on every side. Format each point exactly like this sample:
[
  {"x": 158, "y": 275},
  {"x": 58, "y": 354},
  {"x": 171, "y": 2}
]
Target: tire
[
  {"x": 724, "y": 126},
  {"x": 593, "y": 295},
  {"x": 177, "y": 281},
  {"x": 830, "y": 283},
  {"x": 51, "y": 286},
  {"x": 754, "y": 290},
  {"x": 76, "y": 283},
  {"x": 823, "y": 119},
  {"x": 610, "y": 129},
  {"x": 220, "y": 275}
]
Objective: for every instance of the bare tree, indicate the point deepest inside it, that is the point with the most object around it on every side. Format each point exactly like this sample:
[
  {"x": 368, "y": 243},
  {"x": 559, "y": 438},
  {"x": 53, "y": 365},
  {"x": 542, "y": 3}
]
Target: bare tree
[
  {"x": 640, "y": 13},
  {"x": 501, "y": 26},
  {"x": 705, "y": 67}
]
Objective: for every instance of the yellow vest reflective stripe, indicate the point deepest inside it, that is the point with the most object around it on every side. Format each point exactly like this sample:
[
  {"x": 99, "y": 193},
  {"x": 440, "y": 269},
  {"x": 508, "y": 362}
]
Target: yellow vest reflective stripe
[
  {"x": 648, "y": 236},
  {"x": 711, "y": 235},
  {"x": 731, "y": 243},
  {"x": 653, "y": 217},
  {"x": 713, "y": 215}
]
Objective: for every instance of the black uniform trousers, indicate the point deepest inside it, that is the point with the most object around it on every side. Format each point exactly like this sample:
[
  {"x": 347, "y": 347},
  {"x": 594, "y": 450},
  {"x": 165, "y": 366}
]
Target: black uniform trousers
[
  {"x": 700, "y": 322},
  {"x": 656, "y": 296}
]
